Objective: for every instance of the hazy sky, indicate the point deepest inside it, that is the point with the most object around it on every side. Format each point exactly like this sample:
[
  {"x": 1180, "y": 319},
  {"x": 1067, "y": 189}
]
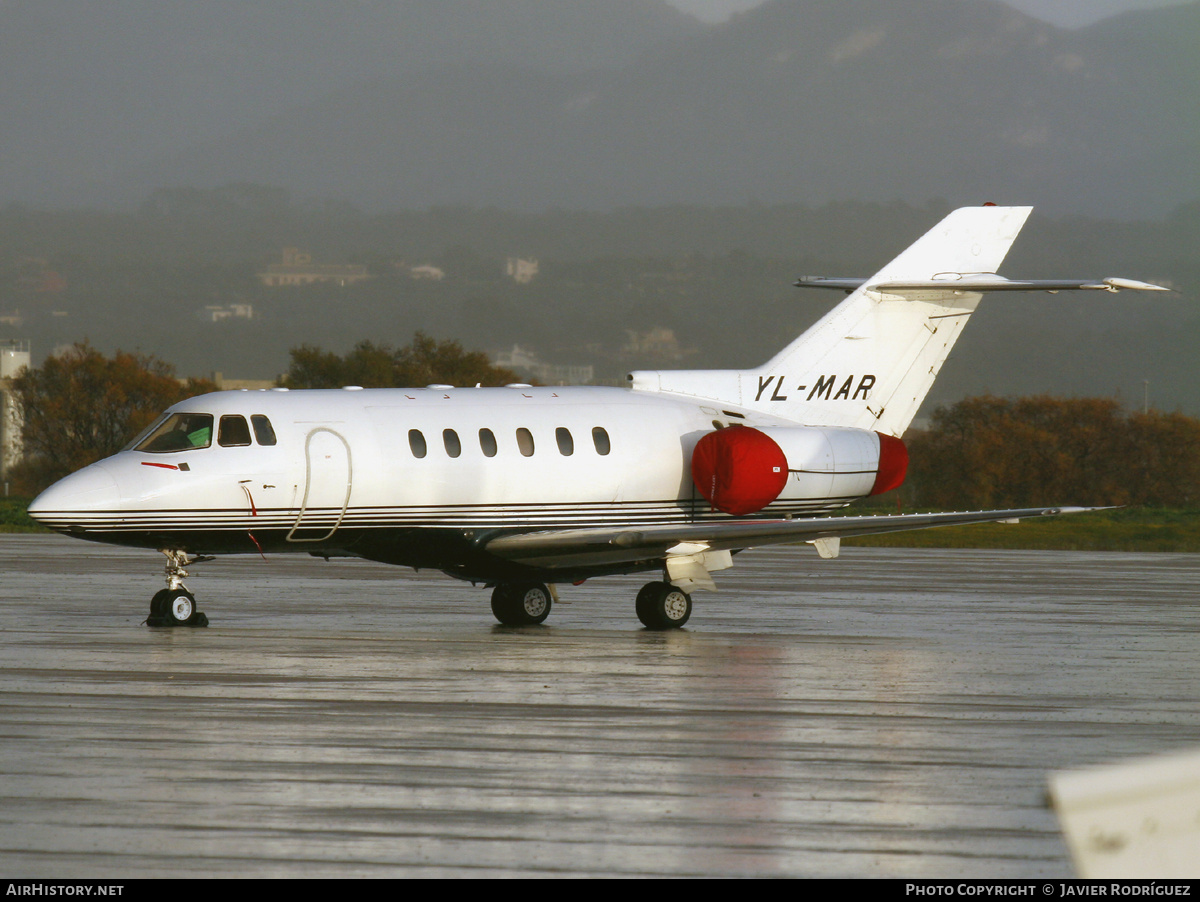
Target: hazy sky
[{"x": 1066, "y": 12}]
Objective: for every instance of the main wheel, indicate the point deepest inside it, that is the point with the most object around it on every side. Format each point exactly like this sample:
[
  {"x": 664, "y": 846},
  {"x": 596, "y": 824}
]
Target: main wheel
[
  {"x": 645, "y": 602},
  {"x": 521, "y": 604},
  {"x": 662, "y": 606}
]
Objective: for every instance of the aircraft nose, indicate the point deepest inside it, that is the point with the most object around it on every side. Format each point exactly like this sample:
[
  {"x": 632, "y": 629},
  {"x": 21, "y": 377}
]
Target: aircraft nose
[{"x": 91, "y": 490}]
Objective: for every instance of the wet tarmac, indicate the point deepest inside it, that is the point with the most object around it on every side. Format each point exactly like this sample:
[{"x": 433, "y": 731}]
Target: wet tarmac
[{"x": 892, "y": 713}]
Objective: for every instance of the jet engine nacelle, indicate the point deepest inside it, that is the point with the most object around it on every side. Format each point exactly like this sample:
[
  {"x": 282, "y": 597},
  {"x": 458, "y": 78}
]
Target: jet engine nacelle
[{"x": 741, "y": 470}]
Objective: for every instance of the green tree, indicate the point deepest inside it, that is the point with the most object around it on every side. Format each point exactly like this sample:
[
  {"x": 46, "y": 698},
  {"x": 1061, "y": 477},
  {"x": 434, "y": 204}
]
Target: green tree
[
  {"x": 425, "y": 361},
  {"x": 81, "y": 406}
]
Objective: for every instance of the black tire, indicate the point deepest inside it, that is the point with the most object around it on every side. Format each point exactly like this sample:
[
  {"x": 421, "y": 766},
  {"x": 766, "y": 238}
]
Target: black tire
[
  {"x": 645, "y": 602},
  {"x": 503, "y": 608},
  {"x": 662, "y": 606},
  {"x": 521, "y": 604},
  {"x": 158, "y": 604}
]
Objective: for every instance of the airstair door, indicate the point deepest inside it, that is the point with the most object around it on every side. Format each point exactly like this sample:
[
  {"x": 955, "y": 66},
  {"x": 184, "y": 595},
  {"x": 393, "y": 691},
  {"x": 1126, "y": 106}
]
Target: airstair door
[{"x": 328, "y": 482}]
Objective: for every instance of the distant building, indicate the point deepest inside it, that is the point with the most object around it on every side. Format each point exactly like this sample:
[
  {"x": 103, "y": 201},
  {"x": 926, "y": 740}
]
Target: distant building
[
  {"x": 427, "y": 272},
  {"x": 658, "y": 343},
  {"x": 297, "y": 268},
  {"x": 215, "y": 313},
  {"x": 525, "y": 363},
  {"x": 224, "y": 384},
  {"x": 34, "y": 275},
  {"x": 521, "y": 270},
  {"x": 14, "y": 357}
]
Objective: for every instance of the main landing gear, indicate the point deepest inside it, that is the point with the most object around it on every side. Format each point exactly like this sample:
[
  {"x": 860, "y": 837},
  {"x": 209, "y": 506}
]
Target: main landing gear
[
  {"x": 521, "y": 604},
  {"x": 175, "y": 605},
  {"x": 662, "y": 606}
]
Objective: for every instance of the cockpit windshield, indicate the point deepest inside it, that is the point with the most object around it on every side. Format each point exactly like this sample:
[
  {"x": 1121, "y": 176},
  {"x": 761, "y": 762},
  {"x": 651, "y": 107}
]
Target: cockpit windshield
[{"x": 179, "y": 432}]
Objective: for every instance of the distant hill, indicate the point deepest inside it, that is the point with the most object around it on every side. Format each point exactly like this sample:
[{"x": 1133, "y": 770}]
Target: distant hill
[
  {"x": 535, "y": 104},
  {"x": 89, "y": 87}
]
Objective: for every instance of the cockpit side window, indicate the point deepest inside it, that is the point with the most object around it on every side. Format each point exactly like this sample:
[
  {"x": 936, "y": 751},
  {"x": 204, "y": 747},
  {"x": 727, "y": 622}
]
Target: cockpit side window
[
  {"x": 179, "y": 432},
  {"x": 233, "y": 431},
  {"x": 263, "y": 431}
]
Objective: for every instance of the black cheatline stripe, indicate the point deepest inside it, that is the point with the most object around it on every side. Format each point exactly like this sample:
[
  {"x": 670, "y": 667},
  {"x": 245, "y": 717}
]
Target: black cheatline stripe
[{"x": 498, "y": 516}]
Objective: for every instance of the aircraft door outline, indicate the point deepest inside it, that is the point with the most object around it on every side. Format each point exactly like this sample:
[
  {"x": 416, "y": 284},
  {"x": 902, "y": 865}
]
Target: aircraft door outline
[{"x": 321, "y": 481}]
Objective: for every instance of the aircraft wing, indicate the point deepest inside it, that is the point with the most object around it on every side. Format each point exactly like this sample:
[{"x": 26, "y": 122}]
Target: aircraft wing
[
  {"x": 562, "y": 548},
  {"x": 979, "y": 282}
]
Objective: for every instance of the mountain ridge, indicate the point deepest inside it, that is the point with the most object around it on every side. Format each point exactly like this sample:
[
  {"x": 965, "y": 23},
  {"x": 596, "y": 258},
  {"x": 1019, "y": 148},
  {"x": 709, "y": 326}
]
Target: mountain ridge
[{"x": 943, "y": 98}]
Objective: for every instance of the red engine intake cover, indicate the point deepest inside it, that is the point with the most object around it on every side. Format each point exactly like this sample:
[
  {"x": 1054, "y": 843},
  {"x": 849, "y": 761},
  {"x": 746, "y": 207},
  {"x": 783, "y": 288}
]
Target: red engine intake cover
[
  {"x": 739, "y": 470},
  {"x": 893, "y": 464}
]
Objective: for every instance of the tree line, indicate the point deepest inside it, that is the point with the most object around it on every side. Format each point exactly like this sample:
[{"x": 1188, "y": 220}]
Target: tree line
[
  {"x": 989, "y": 452},
  {"x": 981, "y": 452},
  {"x": 425, "y": 361},
  {"x": 80, "y": 406}
]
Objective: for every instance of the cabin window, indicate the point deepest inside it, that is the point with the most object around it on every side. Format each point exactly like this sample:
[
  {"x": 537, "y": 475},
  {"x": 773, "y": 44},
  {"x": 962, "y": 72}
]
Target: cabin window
[
  {"x": 717, "y": 424},
  {"x": 450, "y": 440},
  {"x": 233, "y": 432},
  {"x": 180, "y": 432},
  {"x": 566, "y": 444},
  {"x": 525, "y": 441},
  {"x": 416, "y": 442},
  {"x": 487, "y": 442},
  {"x": 263, "y": 430},
  {"x": 600, "y": 440}
]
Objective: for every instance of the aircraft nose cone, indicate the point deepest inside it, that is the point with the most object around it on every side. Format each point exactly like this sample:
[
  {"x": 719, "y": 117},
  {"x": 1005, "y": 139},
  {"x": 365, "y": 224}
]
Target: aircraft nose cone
[{"x": 91, "y": 490}]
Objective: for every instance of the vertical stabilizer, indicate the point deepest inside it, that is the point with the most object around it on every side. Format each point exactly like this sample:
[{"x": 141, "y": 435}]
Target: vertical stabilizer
[{"x": 871, "y": 360}]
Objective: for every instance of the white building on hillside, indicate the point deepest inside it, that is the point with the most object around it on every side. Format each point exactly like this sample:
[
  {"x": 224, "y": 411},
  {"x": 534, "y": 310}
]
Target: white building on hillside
[{"x": 14, "y": 357}]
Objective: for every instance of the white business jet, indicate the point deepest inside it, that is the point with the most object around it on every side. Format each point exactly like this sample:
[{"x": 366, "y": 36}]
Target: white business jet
[{"x": 524, "y": 489}]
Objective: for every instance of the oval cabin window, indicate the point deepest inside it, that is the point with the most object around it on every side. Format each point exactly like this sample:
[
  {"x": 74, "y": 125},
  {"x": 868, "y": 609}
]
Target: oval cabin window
[
  {"x": 450, "y": 440},
  {"x": 525, "y": 441},
  {"x": 566, "y": 444},
  {"x": 600, "y": 440},
  {"x": 416, "y": 442},
  {"x": 487, "y": 442}
]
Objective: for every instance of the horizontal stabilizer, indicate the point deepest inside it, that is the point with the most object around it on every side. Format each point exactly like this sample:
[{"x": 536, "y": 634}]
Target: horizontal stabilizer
[{"x": 977, "y": 282}]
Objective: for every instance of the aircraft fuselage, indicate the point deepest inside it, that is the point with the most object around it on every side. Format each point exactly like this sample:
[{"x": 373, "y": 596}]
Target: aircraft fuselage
[{"x": 418, "y": 477}]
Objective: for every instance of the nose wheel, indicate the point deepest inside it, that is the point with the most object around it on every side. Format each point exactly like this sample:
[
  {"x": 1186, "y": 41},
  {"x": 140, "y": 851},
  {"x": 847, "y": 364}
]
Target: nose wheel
[{"x": 175, "y": 605}]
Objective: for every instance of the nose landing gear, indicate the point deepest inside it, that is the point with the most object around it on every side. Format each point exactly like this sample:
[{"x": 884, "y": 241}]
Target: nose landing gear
[{"x": 175, "y": 605}]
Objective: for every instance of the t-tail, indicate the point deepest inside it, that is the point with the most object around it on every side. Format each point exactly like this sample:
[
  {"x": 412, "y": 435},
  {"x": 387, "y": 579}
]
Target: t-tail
[{"x": 870, "y": 362}]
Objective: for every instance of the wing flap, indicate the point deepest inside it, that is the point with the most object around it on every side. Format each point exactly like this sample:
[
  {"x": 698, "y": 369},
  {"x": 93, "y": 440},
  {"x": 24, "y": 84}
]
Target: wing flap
[{"x": 571, "y": 547}]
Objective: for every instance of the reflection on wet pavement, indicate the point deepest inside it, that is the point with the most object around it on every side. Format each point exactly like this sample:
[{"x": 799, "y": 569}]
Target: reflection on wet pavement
[{"x": 890, "y": 713}]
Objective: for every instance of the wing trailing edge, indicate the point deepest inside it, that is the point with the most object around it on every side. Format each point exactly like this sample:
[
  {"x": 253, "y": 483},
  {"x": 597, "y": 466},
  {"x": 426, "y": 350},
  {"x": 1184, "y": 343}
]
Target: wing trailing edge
[{"x": 566, "y": 548}]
